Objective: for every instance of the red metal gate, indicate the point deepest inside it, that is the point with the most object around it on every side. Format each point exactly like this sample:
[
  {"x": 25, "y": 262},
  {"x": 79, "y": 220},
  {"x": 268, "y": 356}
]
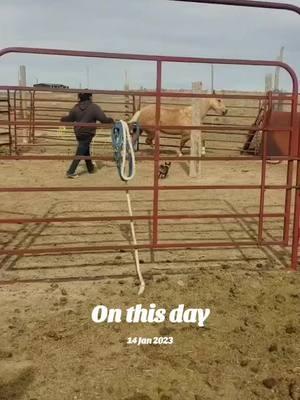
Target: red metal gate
[{"x": 156, "y": 188}]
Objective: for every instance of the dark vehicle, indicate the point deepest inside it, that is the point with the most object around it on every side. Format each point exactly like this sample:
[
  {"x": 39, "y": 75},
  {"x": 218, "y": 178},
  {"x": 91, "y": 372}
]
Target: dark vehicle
[{"x": 50, "y": 86}]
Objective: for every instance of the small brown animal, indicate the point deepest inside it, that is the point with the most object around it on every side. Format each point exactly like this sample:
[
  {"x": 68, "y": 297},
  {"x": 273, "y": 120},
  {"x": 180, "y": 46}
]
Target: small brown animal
[{"x": 163, "y": 170}]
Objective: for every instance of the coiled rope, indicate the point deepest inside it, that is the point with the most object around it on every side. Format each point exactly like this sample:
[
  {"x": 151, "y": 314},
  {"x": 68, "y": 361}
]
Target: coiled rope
[{"x": 123, "y": 150}]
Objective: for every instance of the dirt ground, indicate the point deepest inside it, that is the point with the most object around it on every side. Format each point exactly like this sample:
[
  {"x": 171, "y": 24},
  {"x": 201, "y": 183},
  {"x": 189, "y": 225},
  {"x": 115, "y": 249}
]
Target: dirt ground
[{"x": 49, "y": 347}]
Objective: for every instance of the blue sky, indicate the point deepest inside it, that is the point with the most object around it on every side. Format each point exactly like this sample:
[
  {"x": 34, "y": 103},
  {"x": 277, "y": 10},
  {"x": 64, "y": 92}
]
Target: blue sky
[{"x": 147, "y": 27}]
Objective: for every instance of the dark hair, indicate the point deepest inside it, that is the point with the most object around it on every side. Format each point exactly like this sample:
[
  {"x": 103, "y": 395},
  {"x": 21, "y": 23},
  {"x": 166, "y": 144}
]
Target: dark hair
[{"x": 84, "y": 96}]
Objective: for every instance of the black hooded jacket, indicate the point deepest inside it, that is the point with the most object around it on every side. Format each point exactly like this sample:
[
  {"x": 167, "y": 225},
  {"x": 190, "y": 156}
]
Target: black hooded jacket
[{"x": 86, "y": 112}]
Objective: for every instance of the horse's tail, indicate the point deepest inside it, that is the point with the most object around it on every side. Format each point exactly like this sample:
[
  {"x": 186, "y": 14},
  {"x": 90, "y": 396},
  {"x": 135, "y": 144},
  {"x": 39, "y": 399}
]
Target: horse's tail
[{"x": 135, "y": 117}]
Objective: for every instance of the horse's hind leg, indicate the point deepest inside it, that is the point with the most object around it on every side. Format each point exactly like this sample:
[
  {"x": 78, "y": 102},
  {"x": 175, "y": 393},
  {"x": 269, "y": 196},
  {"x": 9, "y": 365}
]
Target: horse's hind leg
[
  {"x": 183, "y": 141},
  {"x": 150, "y": 137}
]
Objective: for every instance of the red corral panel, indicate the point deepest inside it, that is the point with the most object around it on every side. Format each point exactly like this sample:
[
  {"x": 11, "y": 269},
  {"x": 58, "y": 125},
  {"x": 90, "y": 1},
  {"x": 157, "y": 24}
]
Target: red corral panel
[
  {"x": 277, "y": 144},
  {"x": 278, "y": 140}
]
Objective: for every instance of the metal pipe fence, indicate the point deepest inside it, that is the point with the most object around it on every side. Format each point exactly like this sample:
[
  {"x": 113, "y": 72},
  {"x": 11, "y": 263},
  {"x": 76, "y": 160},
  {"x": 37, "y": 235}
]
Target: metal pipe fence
[{"x": 156, "y": 188}]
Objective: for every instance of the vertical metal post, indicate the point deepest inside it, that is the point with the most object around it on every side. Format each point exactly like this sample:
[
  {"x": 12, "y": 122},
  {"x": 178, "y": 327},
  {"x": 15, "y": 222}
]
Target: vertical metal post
[
  {"x": 293, "y": 151},
  {"x": 87, "y": 70},
  {"x": 33, "y": 116},
  {"x": 212, "y": 78},
  {"x": 23, "y": 104},
  {"x": 30, "y": 118},
  {"x": 263, "y": 171},
  {"x": 22, "y": 82},
  {"x": 133, "y": 105},
  {"x": 268, "y": 82},
  {"x": 9, "y": 121},
  {"x": 15, "y": 122},
  {"x": 277, "y": 70},
  {"x": 196, "y": 135},
  {"x": 295, "y": 240},
  {"x": 139, "y": 103},
  {"x": 156, "y": 152},
  {"x": 127, "y": 99}
]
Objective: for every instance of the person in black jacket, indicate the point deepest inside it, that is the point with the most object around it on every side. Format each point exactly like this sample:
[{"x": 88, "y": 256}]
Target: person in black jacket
[{"x": 85, "y": 111}]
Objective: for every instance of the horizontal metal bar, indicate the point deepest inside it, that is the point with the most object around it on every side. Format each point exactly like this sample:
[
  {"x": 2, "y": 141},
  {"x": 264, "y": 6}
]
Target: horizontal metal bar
[
  {"x": 136, "y": 217},
  {"x": 208, "y": 127},
  {"x": 37, "y": 124},
  {"x": 72, "y": 219},
  {"x": 127, "y": 187},
  {"x": 248, "y": 3},
  {"x": 42, "y": 116},
  {"x": 171, "y": 245},
  {"x": 141, "y": 57},
  {"x": 152, "y": 93},
  {"x": 73, "y": 189},
  {"x": 185, "y": 104},
  {"x": 148, "y": 158},
  {"x": 52, "y": 142},
  {"x": 221, "y": 187}
]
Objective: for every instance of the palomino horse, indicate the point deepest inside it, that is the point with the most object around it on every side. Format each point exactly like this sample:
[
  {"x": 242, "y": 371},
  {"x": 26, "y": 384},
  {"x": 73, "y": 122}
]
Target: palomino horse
[{"x": 176, "y": 116}]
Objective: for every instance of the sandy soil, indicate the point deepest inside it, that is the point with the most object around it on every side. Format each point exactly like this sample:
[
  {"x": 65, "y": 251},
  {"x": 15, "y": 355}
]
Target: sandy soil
[{"x": 50, "y": 348}]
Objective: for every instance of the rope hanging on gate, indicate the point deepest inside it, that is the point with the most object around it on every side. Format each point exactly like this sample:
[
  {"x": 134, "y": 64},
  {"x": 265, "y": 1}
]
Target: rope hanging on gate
[{"x": 124, "y": 152}]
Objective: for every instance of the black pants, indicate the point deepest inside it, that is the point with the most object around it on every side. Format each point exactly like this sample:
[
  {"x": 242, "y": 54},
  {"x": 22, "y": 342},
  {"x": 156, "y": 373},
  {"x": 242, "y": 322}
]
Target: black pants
[{"x": 83, "y": 149}]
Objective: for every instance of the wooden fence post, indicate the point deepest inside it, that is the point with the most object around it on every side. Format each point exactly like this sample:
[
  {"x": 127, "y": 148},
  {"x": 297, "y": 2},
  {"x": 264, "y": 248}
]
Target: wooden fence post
[
  {"x": 196, "y": 137},
  {"x": 23, "y": 104}
]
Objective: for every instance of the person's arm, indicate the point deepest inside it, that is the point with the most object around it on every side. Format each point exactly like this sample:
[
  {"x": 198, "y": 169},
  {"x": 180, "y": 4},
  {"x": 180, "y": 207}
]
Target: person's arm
[
  {"x": 70, "y": 117},
  {"x": 101, "y": 117}
]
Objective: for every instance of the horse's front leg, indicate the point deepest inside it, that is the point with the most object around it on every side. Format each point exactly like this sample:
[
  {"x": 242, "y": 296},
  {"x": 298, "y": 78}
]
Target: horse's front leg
[{"x": 203, "y": 148}]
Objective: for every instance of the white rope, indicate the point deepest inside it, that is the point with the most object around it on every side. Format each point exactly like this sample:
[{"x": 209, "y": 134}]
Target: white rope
[
  {"x": 136, "y": 253},
  {"x": 127, "y": 141}
]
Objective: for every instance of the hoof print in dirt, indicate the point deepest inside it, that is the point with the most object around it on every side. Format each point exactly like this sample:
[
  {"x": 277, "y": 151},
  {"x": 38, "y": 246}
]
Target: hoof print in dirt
[
  {"x": 273, "y": 347},
  {"x": 138, "y": 396},
  {"x": 54, "y": 286},
  {"x": 290, "y": 329},
  {"x": 165, "y": 331},
  {"x": 14, "y": 378},
  {"x": 5, "y": 353},
  {"x": 53, "y": 335},
  {"x": 294, "y": 390},
  {"x": 233, "y": 292},
  {"x": 162, "y": 278},
  {"x": 254, "y": 369},
  {"x": 244, "y": 363},
  {"x": 63, "y": 300},
  {"x": 225, "y": 266},
  {"x": 269, "y": 383},
  {"x": 279, "y": 298}
]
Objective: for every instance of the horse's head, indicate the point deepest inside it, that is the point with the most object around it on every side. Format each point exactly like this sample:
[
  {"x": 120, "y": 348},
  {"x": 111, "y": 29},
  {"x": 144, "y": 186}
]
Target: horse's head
[{"x": 218, "y": 106}]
